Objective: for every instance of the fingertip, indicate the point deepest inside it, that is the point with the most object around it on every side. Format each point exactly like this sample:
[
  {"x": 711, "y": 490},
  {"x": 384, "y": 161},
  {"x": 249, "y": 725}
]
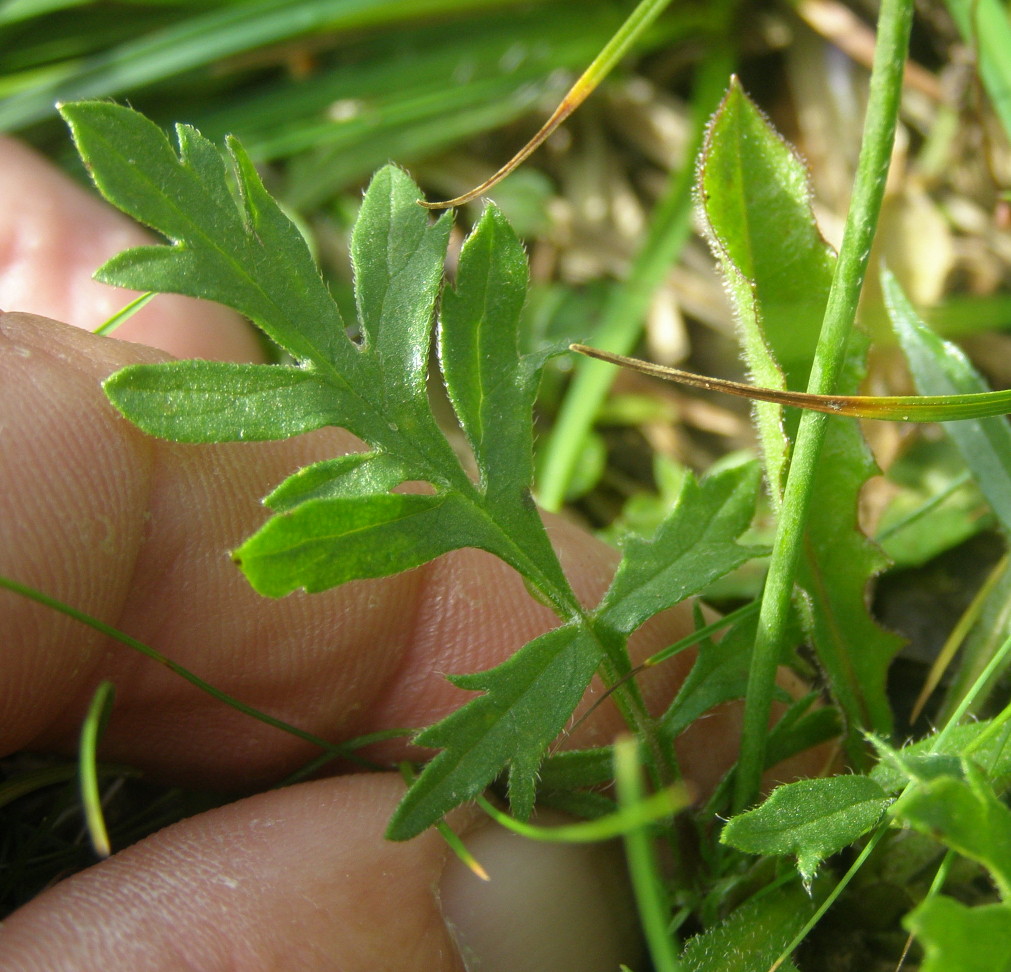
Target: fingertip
[
  {"x": 299, "y": 878},
  {"x": 545, "y": 905}
]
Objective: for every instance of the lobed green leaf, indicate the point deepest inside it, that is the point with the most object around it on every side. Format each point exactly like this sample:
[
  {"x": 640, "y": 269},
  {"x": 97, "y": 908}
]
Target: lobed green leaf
[
  {"x": 955, "y": 936},
  {"x": 693, "y": 546},
  {"x": 479, "y": 351},
  {"x": 965, "y": 815},
  {"x": 526, "y": 703},
  {"x": 490, "y": 384},
  {"x": 246, "y": 254}
]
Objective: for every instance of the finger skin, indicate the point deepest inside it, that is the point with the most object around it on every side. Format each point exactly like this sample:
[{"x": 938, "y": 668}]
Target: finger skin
[{"x": 293, "y": 880}]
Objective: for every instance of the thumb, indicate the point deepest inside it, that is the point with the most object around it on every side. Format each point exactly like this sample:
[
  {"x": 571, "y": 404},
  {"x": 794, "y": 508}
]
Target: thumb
[{"x": 302, "y": 879}]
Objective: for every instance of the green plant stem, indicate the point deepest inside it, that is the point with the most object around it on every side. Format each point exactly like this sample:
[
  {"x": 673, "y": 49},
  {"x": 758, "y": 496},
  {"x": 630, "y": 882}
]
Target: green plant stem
[
  {"x": 872, "y": 169},
  {"x": 623, "y": 316},
  {"x": 833, "y": 896},
  {"x": 654, "y": 913}
]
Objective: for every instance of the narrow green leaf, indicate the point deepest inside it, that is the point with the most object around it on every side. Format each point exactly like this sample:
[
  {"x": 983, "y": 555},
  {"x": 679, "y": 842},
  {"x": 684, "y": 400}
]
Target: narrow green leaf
[
  {"x": 757, "y": 202},
  {"x": 491, "y": 385},
  {"x": 957, "y": 937},
  {"x": 357, "y": 474},
  {"x": 397, "y": 254},
  {"x": 92, "y": 731},
  {"x": 217, "y": 401},
  {"x": 940, "y": 368},
  {"x": 966, "y": 816},
  {"x": 720, "y": 673},
  {"x": 526, "y": 702},
  {"x": 694, "y": 545},
  {"x": 491, "y": 391},
  {"x": 325, "y": 542},
  {"x": 810, "y": 818}
]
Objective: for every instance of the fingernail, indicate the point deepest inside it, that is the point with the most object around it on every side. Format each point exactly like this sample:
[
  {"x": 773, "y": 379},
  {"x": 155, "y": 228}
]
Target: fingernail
[{"x": 545, "y": 905}]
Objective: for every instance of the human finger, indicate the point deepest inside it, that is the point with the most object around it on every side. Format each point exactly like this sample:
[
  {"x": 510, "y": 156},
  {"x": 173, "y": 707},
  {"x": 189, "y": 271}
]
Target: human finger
[{"x": 302, "y": 879}]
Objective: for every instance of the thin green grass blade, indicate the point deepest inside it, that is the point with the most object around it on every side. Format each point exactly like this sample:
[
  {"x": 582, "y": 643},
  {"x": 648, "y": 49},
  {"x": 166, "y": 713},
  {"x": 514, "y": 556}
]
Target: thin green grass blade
[
  {"x": 91, "y": 734},
  {"x": 124, "y": 314},
  {"x": 39, "y": 597},
  {"x": 623, "y": 317},
  {"x": 940, "y": 368},
  {"x": 643, "y": 868}
]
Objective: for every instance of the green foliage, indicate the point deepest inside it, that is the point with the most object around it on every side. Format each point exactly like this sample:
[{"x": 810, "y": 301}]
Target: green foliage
[
  {"x": 955, "y": 936},
  {"x": 810, "y": 818},
  {"x": 941, "y": 368},
  {"x": 528, "y": 698},
  {"x": 342, "y": 519},
  {"x": 753, "y": 936},
  {"x": 965, "y": 815},
  {"x": 337, "y": 520}
]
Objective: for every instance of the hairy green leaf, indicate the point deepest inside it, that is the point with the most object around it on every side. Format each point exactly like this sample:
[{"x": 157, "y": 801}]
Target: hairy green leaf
[
  {"x": 965, "y": 815},
  {"x": 920, "y": 760},
  {"x": 325, "y": 542},
  {"x": 753, "y": 935},
  {"x": 217, "y": 401},
  {"x": 756, "y": 201},
  {"x": 810, "y": 818},
  {"x": 694, "y": 546},
  {"x": 756, "y": 205},
  {"x": 525, "y": 704}
]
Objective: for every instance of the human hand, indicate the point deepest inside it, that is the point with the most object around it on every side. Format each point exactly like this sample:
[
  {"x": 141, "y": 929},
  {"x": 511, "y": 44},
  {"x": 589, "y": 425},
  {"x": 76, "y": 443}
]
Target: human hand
[{"x": 136, "y": 532}]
